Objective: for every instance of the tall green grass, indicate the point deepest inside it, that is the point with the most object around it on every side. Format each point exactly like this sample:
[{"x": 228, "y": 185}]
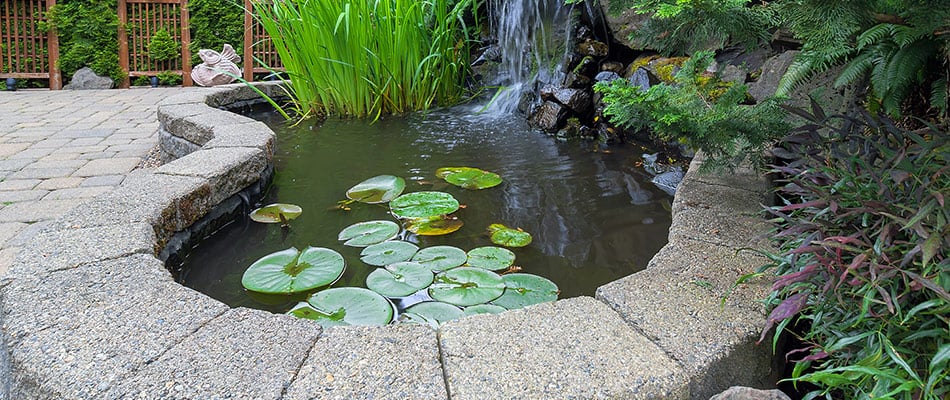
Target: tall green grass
[{"x": 369, "y": 57}]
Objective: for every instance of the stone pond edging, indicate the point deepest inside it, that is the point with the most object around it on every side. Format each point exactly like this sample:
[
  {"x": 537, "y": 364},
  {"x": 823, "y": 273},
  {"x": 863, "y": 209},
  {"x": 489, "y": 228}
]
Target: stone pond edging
[{"x": 88, "y": 311}]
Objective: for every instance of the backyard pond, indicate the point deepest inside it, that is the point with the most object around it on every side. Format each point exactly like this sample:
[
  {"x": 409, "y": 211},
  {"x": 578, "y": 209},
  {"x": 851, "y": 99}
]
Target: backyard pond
[{"x": 591, "y": 211}]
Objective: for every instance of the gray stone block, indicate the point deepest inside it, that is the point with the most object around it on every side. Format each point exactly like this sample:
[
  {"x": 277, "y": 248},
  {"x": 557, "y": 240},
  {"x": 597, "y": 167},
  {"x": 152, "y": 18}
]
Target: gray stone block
[
  {"x": 227, "y": 169},
  {"x": 181, "y": 120},
  {"x": 239, "y": 93},
  {"x": 106, "y": 320},
  {"x": 719, "y": 215},
  {"x": 392, "y": 362},
  {"x": 574, "y": 348},
  {"x": 59, "y": 249},
  {"x": 174, "y": 147},
  {"x": 190, "y": 97},
  {"x": 255, "y": 134},
  {"x": 678, "y": 303},
  {"x": 242, "y": 354},
  {"x": 31, "y": 212}
]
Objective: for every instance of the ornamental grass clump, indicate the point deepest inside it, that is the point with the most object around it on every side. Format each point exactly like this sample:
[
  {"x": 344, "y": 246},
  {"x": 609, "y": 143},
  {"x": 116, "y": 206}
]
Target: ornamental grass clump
[
  {"x": 863, "y": 272},
  {"x": 365, "y": 58}
]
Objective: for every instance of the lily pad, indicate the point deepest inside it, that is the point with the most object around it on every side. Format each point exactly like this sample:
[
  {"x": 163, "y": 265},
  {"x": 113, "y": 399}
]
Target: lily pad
[
  {"x": 469, "y": 178},
  {"x": 388, "y": 252},
  {"x": 432, "y": 311},
  {"x": 483, "y": 309},
  {"x": 465, "y": 286},
  {"x": 363, "y": 234},
  {"x": 423, "y": 204},
  {"x": 349, "y": 306},
  {"x": 434, "y": 226},
  {"x": 440, "y": 258},
  {"x": 490, "y": 258},
  {"x": 399, "y": 279},
  {"x": 276, "y": 213},
  {"x": 378, "y": 189},
  {"x": 508, "y": 237},
  {"x": 293, "y": 271},
  {"x": 526, "y": 289}
]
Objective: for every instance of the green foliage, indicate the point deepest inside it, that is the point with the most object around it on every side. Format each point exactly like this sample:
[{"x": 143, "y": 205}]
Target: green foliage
[
  {"x": 687, "y": 26},
  {"x": 367, "y": 58},
  {"x": 215, "y": 23},
  {"x": 162, "y": 46},
  {"x": 168, "y": 78},
  {"x": 864, "y": 267},
  {"x": 88, "y": 36},
  {"x": 700, "y": 111},
  {"x": 898, "y": 45}
]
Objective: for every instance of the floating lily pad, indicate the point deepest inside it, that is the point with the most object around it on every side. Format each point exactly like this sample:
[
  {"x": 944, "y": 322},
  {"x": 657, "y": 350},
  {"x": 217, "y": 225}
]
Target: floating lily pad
[
  {"x": 490, "y": 258},
  {"x": 348, "y": 306},
  {"x": 399, "y": 279},
  {"x": 469, "y": 178},
  {"x": 440, "y": 258},
  {"x": 526, "y": 289},
  {"x": 293, "y": 271},
  {"x": 388, "y": 252},
  {"x": 432, "y": 311},
  {"x": 483, "y": 309},
  {"x": 505, "y": 236},
  {"x": 434, "y": 226},
  {"x": 368, "y": 233},
  {"x": 378, "y": 189},
  {"x": 466, "y": 286},
  {"x": 276, "y": 213},
  {"x": 423, "y": 204}
]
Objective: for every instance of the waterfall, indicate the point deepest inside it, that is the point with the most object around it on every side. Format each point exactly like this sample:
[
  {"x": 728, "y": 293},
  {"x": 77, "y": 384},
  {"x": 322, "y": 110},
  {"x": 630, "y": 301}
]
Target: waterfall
[{"x": 532, "y": 39}]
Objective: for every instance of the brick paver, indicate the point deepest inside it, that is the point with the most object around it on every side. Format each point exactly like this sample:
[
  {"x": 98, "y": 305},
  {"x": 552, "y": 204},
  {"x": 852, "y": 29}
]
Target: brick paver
[{"x": 59, "y": 148}]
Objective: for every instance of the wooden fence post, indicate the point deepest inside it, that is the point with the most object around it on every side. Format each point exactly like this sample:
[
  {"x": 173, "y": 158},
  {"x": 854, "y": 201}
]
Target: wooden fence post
[
  {"x": 185, "y": 46},
  {"x": 248, "y": 41},
  {"x": 123, "y": 43},
  {"x": 55, "y": 76}
]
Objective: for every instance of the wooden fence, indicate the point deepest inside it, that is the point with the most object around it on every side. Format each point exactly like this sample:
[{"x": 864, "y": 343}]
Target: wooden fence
[{"x": 26, "y": 51}]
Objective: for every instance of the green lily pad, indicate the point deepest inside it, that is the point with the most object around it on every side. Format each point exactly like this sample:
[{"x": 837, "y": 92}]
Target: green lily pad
[
  {"x": 399, "y": 279},
  {"x": 465, "y": 286},
  {"x": 276, "y": 213},
  {"x": 378, "y": 189},
  {"x": 469, "y": 178},
  {"x": 440, "y": 258},
  {"x": 432, "y": 311},
  {"x": 483, "y": 309},
  {"x": 293, "y": 271},
  {"x": 505, "y": 236},
  {"x": 388, "y": 252},
  {"x": 423, "y": 204},
  {"x": 363, "y": 234},
  {"x": 434, "y": 226},
  {"x": 349, "y": 306},
  {"x": 526, "y": 289},
  {"x": 490, "y": 258}
]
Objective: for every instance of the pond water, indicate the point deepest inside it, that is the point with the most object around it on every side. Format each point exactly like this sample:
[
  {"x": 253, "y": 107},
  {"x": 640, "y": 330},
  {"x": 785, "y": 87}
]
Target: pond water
[{"x": 593, "y": 213}]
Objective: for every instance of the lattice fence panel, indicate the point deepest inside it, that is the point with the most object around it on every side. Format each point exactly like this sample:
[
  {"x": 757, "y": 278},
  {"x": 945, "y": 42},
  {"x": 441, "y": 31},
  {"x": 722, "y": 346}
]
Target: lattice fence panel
[
  {"x": 24, "y": 46},
  {"x": 145, "y": 18},
  {"x": 264, "y": 50}
]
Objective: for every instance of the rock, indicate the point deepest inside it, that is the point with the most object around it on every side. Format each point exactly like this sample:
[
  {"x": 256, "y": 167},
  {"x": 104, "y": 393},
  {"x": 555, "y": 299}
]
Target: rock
[
  {"x": 623, "y": 21},
  {"x": 732, "y": 73},
  {"x": 491, "y": 53},
  {"x": 525, "y": 101},
  {"x": 612, "y": 66},
  {"x": 643, "y": 79},
  {"x": 607, "y": 76},
  {"x": 576, "y": 81},
  {"x": 86, "y": 79},
  {"x": 662, "y": 68},
  {"x": 217, "y": 68},
  {"x": 668, "y": 181},
  {"x": 548, "y": 116},
  {"x": 746, "y": 393},
  {"x": 772, "y": 71},
  {"x": 547, "y": 92},
  {"x": 607, "y": 134},
  {"x": 592, "y": 48},
  {"x": 577, "y": 100}
]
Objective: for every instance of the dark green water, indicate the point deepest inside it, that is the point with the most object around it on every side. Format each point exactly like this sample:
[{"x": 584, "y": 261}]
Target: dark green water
[{"x": 594, "y": 215}]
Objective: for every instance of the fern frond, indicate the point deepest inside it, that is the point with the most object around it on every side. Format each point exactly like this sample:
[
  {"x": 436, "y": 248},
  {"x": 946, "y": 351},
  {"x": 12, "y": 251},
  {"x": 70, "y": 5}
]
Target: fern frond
[
  {"x": 875, "y": 34},
  {"x": 857, "y": 68},
  {"x": 939, "y": 94}
]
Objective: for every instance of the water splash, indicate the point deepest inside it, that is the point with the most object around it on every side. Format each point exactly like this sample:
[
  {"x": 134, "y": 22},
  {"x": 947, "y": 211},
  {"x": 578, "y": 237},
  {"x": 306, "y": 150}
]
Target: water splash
[{"x": 532, "y": 38}]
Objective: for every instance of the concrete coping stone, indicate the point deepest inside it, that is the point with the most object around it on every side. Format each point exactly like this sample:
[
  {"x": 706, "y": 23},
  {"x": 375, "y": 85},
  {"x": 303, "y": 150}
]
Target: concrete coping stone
[{"x": 88, "y": 311}]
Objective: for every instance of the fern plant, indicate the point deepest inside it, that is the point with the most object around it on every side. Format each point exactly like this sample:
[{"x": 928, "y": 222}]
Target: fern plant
[{"x": 896, "y": 45}]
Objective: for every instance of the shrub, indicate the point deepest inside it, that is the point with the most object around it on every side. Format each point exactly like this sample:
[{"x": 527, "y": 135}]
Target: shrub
[
  {"x": 168, "y": 78},
  {"x": 88, "y": 36},
  {"x": 214, "y": 23},
  {"x": 369, "y": 57},
  {"x": 700, "y": 111},
  {"x": 863, "y": 267},
  {"x": 162, "y": 46}
]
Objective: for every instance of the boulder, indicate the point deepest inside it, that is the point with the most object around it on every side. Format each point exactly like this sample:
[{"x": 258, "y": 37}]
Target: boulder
[
  {"x": 607, "y": 76},
  {"x": 577, "y": 100},
  {"x": 772, "y": 72},
  {"x": 576, "y": 81},
  {"x": 747, "y": 393},
  {"x": 548, "y": 117},
  {"x": 642, "y": 78},
  {"x": 623, "y": 21},
  {"x": 86, "y": 79},
  {"x": 612, "y": 66},
  {"x": 592, "y": 48}
]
